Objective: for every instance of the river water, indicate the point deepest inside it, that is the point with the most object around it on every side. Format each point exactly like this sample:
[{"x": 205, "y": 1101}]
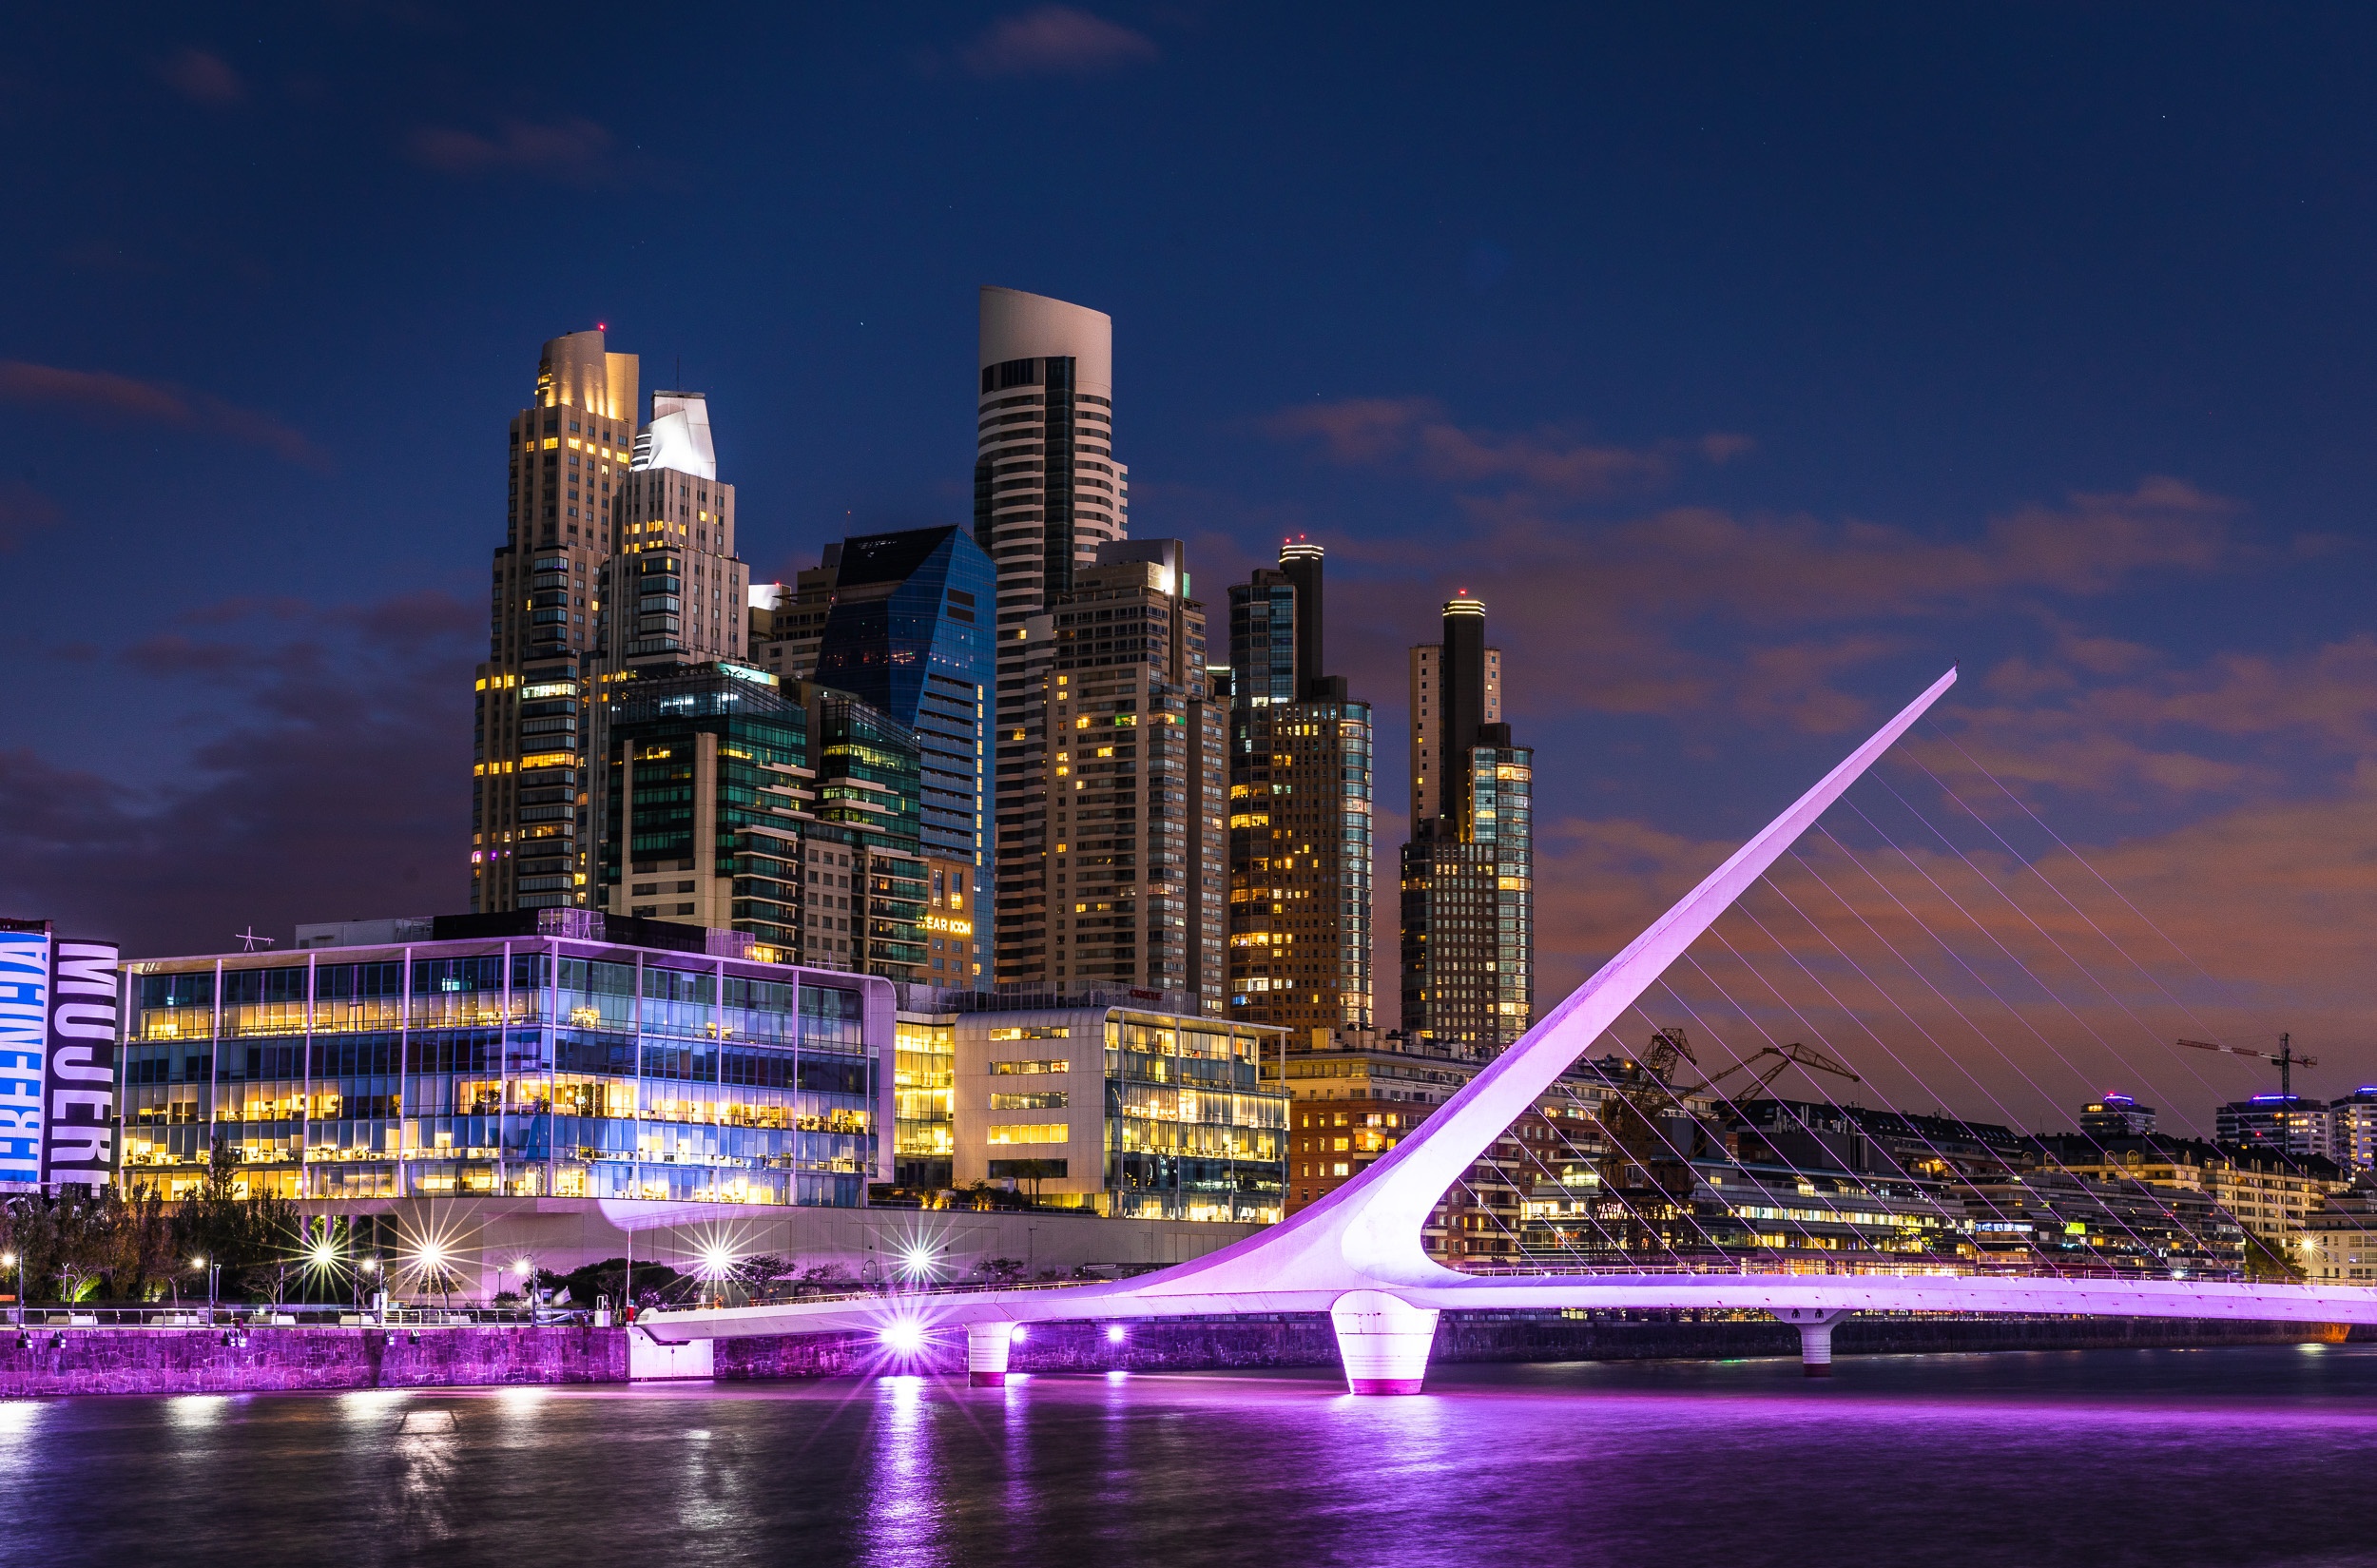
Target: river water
[{"x": 2244, "y": 1455}]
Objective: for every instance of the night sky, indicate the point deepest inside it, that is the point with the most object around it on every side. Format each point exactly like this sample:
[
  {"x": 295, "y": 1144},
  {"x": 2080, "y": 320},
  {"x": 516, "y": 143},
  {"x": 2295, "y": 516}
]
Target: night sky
[{"x": 1753, "y": 364}]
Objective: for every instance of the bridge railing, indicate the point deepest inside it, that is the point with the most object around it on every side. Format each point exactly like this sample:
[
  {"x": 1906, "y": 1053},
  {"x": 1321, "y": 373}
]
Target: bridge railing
[{"x": 1834, "y": 1269}]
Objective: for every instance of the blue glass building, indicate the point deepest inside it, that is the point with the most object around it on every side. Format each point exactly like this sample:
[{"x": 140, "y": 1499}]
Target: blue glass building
[
  {"x": 910, "y": 633},
  {"x": 547, "y": 1053}
]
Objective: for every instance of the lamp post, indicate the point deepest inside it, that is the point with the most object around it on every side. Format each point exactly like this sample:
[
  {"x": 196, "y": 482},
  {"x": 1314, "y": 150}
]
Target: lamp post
[
  {"x": 525, "y": 1265},
  {"x": 16, "y": 1261},
  {"x": 363, "y": 1267},
  {"x": 213, "y": 1272}
]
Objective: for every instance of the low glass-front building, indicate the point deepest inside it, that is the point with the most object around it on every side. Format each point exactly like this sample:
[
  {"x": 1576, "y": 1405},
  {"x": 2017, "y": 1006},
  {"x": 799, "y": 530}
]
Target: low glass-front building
[
  {"x": 532, "y": 1063},
  {"x": 1121, "y": 1110}
]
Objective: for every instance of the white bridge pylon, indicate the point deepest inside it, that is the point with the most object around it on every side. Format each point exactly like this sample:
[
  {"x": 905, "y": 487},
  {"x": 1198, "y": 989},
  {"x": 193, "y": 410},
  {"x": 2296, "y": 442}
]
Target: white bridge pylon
[{"x": 1357, "y": 1254}]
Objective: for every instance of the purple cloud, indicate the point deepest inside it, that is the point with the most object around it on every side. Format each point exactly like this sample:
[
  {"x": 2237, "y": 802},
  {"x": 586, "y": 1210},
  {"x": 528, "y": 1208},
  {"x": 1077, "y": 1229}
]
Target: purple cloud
[
  {"x": 343, "y": 790},
  {"x": 203, "y": 78},
  {"x": 1055, "y": 41},
  {"x": 569, "y": 149},
  {"x": 23, "y": 512},
  {"x": 104, "y": 395}
]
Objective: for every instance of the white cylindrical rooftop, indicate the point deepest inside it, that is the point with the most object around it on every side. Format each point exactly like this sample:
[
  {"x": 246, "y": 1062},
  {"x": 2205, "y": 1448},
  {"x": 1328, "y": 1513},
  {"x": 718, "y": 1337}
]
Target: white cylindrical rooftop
[{"x": 1017, "y": 325}]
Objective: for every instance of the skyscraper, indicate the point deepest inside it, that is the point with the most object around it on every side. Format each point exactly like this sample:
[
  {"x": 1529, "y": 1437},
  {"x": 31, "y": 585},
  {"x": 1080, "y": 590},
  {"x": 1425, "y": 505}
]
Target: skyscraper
[
  {"x": 530, "y": 844},
  {"x": 1047, "y": 491},
  {"x": 787, "y": 812},
  {"x": 1429, "y": 722},
  {"x": 1300, "y": 842},
  {"x": 675, "y": 594},
  {"x": 1110, "y": 778},
  {"x": 908, "y": 631},
  {"x": 1468, "y": 873},
  {"x": 1047, "y": 494}
]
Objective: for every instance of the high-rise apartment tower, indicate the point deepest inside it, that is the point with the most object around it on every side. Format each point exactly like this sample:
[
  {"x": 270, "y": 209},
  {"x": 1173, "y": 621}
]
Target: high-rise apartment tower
[
  {"x": 1110, "y": 863},
  {"x": 571, "y": 450},
  {"x": 1468, "y": 873},
  {"x": 1047, "y": 497},
  {"x": 1047, "y": 491},
  {"x": 1300, "y": 842}
]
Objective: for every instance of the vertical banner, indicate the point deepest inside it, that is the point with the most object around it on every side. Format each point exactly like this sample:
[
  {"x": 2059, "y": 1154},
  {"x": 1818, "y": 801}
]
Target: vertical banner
[
  {"x": 23, "y": 1050},
  {"x": 79, "y": 1126}
]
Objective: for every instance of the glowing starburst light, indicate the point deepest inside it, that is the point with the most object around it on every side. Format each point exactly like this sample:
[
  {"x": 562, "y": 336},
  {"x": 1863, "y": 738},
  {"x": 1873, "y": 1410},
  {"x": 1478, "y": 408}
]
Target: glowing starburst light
[{"x": 906, "y": 1336}]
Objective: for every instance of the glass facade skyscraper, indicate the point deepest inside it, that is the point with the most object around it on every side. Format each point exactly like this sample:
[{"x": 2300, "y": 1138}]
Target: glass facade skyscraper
[
  {"x": 909, "y": 632},
  {"x": 786, "y": 814}
]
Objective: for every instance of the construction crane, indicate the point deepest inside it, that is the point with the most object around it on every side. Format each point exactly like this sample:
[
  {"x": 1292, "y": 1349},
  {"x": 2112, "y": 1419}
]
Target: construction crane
[
  {"x": 1785, "y": 1057},
  {"x": 2286, "y": 1058},
  {"x": 1670, "y": 1046}
]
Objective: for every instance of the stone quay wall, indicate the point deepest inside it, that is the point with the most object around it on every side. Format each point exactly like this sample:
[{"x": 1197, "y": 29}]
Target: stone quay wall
[
  {"x": 197, "y": 1360},
  {"x": 65, "y": 1362}
]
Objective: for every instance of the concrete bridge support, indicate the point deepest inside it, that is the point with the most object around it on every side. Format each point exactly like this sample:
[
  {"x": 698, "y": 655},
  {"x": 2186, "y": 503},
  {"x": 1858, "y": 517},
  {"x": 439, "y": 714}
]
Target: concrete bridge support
[
  {"x": 1815, "y": 1335},
  {"x": 1384, "y": 1341},
  {"x": 986, "y": 1349}
]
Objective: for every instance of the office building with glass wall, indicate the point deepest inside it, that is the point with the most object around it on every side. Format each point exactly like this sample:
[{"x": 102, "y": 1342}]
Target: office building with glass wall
[
  {"x": 1098, "y": 1103},
  {"x": 537, "y": 1053},
  {"x": 790, "y": 814}
]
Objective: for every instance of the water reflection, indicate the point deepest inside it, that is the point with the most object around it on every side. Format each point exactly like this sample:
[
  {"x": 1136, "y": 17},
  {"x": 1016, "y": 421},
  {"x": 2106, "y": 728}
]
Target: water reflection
[
  {"x": 197, "y": 1410},
  {"x": 2168, "y": 1458},
  {"x": 371, "y": 1404},
  {"x": 904, "y": 1504},
  {"x": 426, "y": 1453}
]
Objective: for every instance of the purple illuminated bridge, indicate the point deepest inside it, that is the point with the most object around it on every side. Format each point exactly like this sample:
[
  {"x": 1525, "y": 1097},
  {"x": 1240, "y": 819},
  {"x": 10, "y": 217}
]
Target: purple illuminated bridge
[{"x": 1357, "y": 1253}]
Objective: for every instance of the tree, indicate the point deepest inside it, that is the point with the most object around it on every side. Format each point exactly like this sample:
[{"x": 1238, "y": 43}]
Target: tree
[{"x": 251, "y": 1238}]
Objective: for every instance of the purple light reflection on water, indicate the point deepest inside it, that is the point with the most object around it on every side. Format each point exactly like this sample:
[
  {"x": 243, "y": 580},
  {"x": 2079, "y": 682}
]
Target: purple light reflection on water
[{"x": 2161, "y": 1458}]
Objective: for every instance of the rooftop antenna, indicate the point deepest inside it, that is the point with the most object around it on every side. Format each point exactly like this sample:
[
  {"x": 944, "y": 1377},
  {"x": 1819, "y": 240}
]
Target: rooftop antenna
[{"x": 250, "y": 942}]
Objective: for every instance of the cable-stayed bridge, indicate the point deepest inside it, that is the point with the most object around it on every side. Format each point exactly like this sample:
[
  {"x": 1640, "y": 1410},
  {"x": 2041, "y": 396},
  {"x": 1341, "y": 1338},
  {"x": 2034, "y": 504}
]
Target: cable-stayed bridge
[{"x": 1357, "y": 1253}]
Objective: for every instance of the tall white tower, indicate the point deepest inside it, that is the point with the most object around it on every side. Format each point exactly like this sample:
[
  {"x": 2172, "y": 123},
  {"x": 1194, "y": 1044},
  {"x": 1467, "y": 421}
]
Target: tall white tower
[{"x": 1047, "y": 493}]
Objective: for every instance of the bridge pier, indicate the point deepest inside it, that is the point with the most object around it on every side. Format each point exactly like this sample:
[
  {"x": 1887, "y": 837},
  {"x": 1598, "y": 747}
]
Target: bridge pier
[
  {"x": 1815, "y": 1327},
  {"x": 1384, "y": 1341},
  {"x": 987, "y": 1348}
]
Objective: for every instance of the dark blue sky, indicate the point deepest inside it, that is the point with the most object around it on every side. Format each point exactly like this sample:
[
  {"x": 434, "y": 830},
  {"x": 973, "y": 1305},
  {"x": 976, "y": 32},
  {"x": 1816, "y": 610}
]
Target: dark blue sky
[{"x": 1753, "y": 363}]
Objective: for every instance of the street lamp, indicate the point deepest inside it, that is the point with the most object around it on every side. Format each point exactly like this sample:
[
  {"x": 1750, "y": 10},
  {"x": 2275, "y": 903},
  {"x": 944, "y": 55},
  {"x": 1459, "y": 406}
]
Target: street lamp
[
  {"x": 16, "y": 1261},
  {"x": 525, "y": 1267},
  {"x": 213, "y": 1272}
]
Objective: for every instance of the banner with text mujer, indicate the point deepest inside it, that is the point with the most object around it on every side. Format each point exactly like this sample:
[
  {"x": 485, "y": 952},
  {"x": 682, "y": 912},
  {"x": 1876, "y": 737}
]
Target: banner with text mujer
[
  {"x": 23, "y": 1050},
  {"x": 79, "y": 1102}
]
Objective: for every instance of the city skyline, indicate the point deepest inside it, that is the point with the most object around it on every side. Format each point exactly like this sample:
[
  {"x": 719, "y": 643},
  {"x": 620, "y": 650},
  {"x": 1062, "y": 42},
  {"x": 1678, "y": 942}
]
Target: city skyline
[{"x": 2135, "y": 520}]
